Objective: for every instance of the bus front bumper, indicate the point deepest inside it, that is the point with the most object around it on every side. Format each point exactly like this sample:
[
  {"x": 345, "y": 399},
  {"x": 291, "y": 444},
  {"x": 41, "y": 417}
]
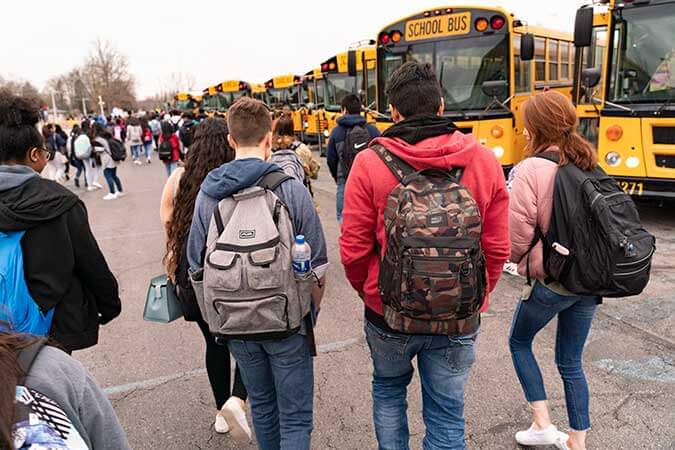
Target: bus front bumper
[{"x": 652, "y": 188}]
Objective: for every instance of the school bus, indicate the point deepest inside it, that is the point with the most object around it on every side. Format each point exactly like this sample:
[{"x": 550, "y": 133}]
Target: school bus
[
  {"x": 220, "y": 97},
  {"x": 624, "y": 91},
  {"x": 351, "y": 72},
  {"x": 285, "y": 91},
  {"x": 488, "y": 64},
  {"x": 259, "y": 92},
  {"x": 314, "y": 114},
  {"x": 187, "y": 101}
]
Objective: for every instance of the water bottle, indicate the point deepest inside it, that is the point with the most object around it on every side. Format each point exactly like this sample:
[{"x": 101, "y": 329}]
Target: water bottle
[{"x": 301, "y": 254}]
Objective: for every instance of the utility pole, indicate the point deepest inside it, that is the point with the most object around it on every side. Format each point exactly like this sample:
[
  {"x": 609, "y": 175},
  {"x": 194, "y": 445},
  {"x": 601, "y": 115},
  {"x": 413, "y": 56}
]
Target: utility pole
[
  {"x": 54, "y": 105},
  {"x": 84, "y": 107},
  {"x": 101, "y": 103}
]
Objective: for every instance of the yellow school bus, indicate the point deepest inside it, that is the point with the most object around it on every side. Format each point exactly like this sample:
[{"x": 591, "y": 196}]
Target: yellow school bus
[
  {"x": 285, "y": 91},
  {"x": 259, "y": 92},
  {"x": 187, "y": 101},
  {"x": 314, "y": 114},
  {"x": 625, "y": 91},
  {"x": 488, "y": 63},
  {"x": 220, "y": 97},
  {"x": 351, "y": 72}
]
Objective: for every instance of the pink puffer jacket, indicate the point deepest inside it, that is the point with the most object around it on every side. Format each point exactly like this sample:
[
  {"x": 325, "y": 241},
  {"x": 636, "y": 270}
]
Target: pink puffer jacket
[{"x": 531, "y": 203}]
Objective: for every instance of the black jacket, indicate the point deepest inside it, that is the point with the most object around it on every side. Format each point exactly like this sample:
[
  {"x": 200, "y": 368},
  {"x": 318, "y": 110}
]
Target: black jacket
[{"x": 63, "y": 265}]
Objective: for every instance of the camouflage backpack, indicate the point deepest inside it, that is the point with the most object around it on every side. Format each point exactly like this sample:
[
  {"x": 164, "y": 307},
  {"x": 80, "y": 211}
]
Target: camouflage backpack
[{"x": 432, "y": 276}]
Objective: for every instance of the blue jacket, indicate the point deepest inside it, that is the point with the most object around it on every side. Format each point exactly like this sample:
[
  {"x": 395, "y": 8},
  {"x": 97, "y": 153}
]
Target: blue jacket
[
  {"x": 338, "y": 135},
  {"x": 236, "y": 175}
]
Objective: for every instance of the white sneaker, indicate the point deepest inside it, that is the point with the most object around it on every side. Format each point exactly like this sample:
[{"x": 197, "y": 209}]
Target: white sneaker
[
  {"x": 234, "y": 413},
  {"x": 562, "y": 441},
  {"x": 97, "y": 186},
  {"x": 137, "y": 162},
  {"x": 110, "y": 196},
  {"x": 119, "y": 194},
  {"x": 511, "y": 268},
  {"x": 221, "y": 425},
  {"x": 547, "y": 436},
  {"x": 91, "y": 188}
]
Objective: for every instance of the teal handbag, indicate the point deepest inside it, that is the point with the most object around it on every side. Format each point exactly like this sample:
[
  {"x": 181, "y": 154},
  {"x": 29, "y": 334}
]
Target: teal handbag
[{"x": 162, "y": 304}]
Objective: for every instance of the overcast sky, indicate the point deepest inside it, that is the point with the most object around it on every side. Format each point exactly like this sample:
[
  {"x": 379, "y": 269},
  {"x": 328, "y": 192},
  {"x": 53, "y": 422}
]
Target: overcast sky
[{"x": 213, "y": 40}]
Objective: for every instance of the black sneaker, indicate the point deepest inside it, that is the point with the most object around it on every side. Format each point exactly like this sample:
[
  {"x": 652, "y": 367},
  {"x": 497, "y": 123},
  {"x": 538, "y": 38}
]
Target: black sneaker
[{"x": 77, "y": 182}]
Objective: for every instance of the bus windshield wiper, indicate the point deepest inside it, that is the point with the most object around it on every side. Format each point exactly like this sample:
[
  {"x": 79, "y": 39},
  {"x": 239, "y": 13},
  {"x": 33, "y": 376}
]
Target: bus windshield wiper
[
  {"x": 667, "y": 103},
  {"x": 446, "y": 93}
]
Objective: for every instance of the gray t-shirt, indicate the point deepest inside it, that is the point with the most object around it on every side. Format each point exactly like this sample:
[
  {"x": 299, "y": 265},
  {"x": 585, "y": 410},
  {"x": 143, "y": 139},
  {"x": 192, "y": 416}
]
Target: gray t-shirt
[{"x": 65, "y": 380}]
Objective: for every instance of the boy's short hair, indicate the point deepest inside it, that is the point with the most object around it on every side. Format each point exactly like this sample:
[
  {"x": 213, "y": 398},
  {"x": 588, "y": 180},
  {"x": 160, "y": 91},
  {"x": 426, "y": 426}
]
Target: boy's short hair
[
  {"x": 414, "y": 90},
  {"x": 352, "y": 103},
  {"x": 249, "y": 121}
]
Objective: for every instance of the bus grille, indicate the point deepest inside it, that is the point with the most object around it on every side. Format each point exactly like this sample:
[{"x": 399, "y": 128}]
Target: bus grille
[
  {"x": 664, "y": 135},
  {"x": 665, "y": 161}
]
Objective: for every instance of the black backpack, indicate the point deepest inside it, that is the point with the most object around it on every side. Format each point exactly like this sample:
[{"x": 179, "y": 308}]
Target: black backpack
[
  {"x": 165, "y": 150},
  {"x": 596, "y": 244},
  {"x": 356, "y": 139},
  {"x": 118, "y": 151},
  {"x": 185, "y": 133}
]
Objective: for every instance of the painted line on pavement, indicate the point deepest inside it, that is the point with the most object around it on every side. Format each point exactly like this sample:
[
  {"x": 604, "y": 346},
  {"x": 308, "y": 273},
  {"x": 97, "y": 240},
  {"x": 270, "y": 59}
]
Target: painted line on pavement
[{"x": 153, "y": 382}]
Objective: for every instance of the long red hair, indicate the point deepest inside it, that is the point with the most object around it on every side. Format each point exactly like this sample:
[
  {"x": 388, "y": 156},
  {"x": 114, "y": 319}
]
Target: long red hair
[{"x": 551, "y": 120}]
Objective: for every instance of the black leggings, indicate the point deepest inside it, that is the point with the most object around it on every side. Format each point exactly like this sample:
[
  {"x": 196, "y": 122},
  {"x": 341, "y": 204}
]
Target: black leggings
[{"x": 218, "y": 369}]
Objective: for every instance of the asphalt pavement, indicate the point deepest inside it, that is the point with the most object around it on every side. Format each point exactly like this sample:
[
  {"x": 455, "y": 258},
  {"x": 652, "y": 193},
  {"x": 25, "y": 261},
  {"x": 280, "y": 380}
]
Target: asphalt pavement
[{"x": 154, "y": 373}]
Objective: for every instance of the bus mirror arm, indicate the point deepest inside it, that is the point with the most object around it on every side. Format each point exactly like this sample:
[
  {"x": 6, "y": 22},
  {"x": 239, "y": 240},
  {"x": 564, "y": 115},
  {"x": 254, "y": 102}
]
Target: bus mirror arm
[{"x": 377, "y": 113}]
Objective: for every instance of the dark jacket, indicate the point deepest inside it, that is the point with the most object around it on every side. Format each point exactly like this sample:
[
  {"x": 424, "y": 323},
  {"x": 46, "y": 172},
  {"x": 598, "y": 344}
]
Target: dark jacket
[
  {"x": 63, "y": 265},
  {"x": 338, "y": 135}
]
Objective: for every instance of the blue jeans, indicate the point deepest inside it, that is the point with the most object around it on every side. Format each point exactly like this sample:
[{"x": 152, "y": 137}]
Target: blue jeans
[
  {"x": 340, "y": 199},
  {"x": 135, "y": 152},
  {"x": 112, "y": 179},
  {"x": 444, "y": 363},
  {"x": 148, "y": 150},
  {"x": 170, "y": 167},
  {"x": 279, "y": 378},
  {"x": 575, "y": 314}
]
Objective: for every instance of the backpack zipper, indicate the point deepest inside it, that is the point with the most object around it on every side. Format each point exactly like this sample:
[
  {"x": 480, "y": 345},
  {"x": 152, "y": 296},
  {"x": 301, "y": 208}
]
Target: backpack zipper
[
  {"x": 598, "y": 195},
  {"x": 651, "y": 252},
  {"x": 625, "y": 274}
]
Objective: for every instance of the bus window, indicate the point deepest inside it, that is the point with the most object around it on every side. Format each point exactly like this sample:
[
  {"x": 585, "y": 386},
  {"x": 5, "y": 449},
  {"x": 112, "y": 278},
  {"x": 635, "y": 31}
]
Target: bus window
[
  {"x": 523, "y": 69},
  {"x": 553, "y": 59},
  {"x": 564, "y": 60},
  {"x": 540, "y": 58}
]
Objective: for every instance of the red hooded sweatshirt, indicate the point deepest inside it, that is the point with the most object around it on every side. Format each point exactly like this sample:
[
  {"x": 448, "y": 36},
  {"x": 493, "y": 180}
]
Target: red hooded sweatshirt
[{"x": 370, "y": 182}]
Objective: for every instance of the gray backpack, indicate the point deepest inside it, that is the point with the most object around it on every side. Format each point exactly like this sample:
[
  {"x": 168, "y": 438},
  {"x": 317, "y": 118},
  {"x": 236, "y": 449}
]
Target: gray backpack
[{"x": 248, "y": 289}]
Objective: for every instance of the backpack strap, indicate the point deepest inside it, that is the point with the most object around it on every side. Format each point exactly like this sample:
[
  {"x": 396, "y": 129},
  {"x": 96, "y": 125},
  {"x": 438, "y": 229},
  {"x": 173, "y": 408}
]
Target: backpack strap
[
  {"x": 549, "y": 156},
  {"x": 396, "y": 165},
  {"x": 456, "y": 174},
  {"x": 26, "y": 357},
  {"x": 273, "y": 180}
]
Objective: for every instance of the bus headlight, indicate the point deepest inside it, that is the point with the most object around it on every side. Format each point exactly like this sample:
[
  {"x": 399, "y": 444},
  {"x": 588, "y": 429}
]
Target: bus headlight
[
  {"x": 498, "y": 151},
  {"x": 632, "y": 162},
  {"x": 613, "y": 159},
  {"x": 326, "y": 133},
  {"x": 306, "y": 124}
]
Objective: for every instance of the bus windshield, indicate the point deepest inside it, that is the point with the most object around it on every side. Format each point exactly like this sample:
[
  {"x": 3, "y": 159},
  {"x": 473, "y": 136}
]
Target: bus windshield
[
  {"x": 283, "y": 96},
  {"x": 643, "y": 55},
  {"x": 461, "y": 64},
  {"x": 338, "y": 86},
  {"x": 185, "y": 105}
]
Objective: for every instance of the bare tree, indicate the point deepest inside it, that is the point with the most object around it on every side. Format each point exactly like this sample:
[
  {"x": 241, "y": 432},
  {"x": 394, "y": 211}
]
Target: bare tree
[{"x": 106, "y": 73}]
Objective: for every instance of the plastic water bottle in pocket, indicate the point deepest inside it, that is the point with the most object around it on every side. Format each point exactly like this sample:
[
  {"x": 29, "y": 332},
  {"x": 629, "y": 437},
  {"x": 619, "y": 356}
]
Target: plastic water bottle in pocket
[{"x": 301, "y": 254}]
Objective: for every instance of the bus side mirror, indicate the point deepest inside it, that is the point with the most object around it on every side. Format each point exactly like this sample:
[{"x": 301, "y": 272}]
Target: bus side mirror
[
  {"x": 583, "y": 27},
  {"x": 495, "y": 88},
  {"x": 590, "y": 77},
  {"x": 351, "y": 63},
  {"x": 526, "y": 47}
]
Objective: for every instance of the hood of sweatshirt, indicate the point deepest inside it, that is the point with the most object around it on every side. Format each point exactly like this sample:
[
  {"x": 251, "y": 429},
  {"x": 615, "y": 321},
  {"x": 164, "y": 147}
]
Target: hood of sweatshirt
[
  {"x": 13, "y": 176},
  {"x": 351, "y": 120},
  {"x": 26, "y": 200},
  {"x": 429, "y": 142},
  {"x": 234, "y": 176}
]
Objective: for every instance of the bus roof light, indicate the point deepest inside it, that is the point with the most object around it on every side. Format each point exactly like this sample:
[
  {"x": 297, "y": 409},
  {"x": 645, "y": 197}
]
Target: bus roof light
[
  {"x": 448, "y": 10},
  {"x": 396, "y": 36},
  {"x": 497, "y": 22},
  {"x": 384, "y": 39},
  {"x": 331, "y": 66},
  {"x": 324, "y": 67},
  {"x": 481, "y": 24},
  {"x": 437, "y": 12},
  {"x": 426, "y": 13}
]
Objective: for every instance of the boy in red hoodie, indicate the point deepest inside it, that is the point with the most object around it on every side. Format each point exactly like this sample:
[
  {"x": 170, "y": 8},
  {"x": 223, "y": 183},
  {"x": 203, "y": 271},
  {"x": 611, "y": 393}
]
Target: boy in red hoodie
[{"x": 423, "y": 139}]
